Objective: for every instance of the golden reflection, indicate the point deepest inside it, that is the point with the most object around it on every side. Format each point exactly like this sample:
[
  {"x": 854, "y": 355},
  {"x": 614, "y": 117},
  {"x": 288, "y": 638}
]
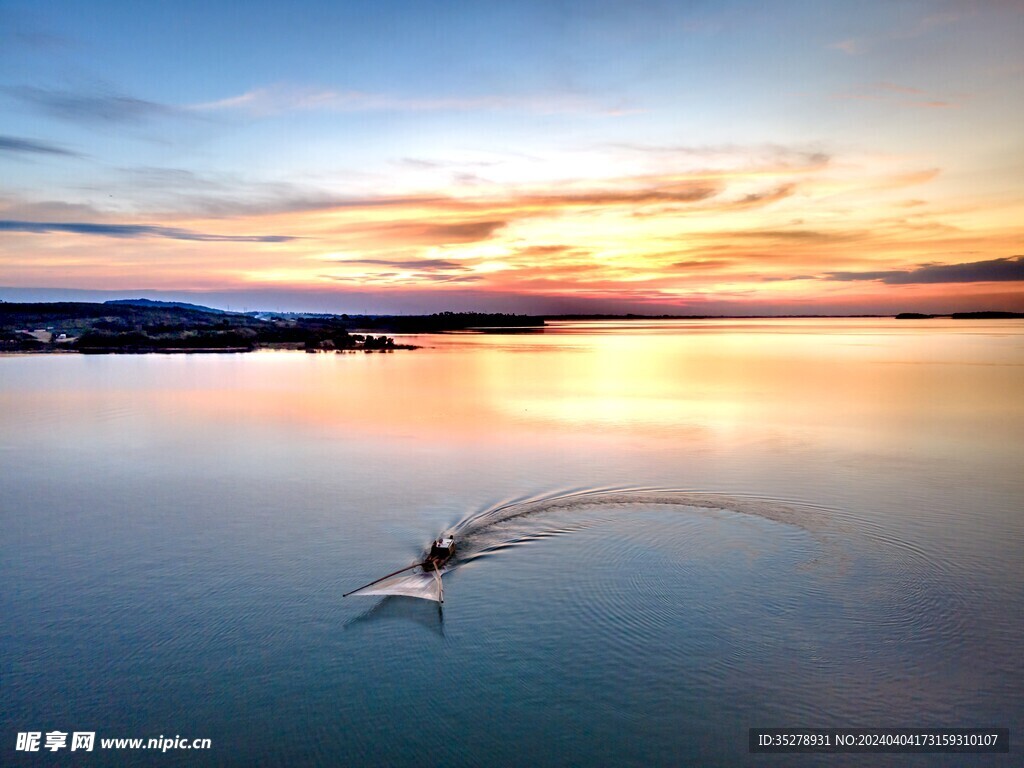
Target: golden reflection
[{"x": 867, "y": 384}]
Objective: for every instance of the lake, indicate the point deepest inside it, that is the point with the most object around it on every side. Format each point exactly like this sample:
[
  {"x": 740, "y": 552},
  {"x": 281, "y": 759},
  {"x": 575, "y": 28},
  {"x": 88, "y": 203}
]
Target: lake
[{"x": 672, "y": 532}]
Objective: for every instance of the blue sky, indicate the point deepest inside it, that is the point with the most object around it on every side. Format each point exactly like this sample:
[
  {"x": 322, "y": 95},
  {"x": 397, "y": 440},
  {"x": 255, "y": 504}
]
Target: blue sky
[{"x": 266, "y": 121}]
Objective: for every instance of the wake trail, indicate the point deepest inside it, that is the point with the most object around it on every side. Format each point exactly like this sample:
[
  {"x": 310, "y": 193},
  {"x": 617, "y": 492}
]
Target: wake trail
[{"x": 512, "y": 523}]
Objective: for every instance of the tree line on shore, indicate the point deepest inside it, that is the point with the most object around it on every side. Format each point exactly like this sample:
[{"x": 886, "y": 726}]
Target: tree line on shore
[
  {"x": 95, "y": 328},
  {"x": 143, "y": 325}
]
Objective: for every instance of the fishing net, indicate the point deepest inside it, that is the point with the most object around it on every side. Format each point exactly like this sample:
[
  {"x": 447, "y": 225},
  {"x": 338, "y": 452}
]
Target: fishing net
[{"x": 426, "y": 586}]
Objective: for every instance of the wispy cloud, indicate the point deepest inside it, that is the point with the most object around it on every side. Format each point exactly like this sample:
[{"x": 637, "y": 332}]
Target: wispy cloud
[
  {"x": 992, "y": 270},
  {"x": 850, "y": 46},
  {"x": 754, "y": 199},
  {"x": 895, "y": 88},
  {"x": 213, "y": 198},
  {"x": 397, "y": 279},
  {"x": 90, "y": 107},
  {"x": 420, "y": 163},
  {"x": 896, "y": 95},
  {"x": 923, "y": 26},
  {"x": 786, "y": 235},
  {"x": 279, "y": 99},
  {"x": 742, "y": 158},
  {"x": 15, "y": 145},
  {"x": 426, "y": 232},
  {"x": 547, "y": 250},
  {"x": 667, "y": 191},
  {"x": 703, "y": 264},
  {"x": 421, "y": 265},
  {"x": 132, "y": 231}
]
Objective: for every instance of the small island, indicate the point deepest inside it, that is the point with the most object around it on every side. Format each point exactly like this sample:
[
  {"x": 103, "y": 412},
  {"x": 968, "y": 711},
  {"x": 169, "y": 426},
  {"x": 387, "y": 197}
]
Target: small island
[{"x": 144, "y": 325}]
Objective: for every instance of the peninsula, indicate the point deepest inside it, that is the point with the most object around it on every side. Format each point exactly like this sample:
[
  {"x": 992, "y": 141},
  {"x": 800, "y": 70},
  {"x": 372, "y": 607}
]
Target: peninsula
[{"x": 144, "y": 325}]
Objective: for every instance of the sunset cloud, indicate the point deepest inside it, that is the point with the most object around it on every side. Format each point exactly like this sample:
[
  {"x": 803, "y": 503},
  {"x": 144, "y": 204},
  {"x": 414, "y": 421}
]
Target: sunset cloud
[
  {"x": 423, "y": 232},
  {"x": 423, "y": 265}
]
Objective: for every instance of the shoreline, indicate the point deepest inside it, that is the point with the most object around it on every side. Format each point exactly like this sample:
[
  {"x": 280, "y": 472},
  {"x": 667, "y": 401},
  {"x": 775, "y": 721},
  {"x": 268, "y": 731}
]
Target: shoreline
[{"x": 202, "y": 350}]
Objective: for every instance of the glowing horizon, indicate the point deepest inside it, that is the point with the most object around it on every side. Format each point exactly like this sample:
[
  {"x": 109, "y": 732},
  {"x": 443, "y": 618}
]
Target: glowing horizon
[{"x": 518, "y": 157}]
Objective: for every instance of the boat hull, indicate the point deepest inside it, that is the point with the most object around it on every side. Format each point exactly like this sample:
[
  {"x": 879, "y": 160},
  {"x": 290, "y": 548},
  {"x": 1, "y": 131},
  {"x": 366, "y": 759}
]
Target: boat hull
[{"x": 438, "y": 556}]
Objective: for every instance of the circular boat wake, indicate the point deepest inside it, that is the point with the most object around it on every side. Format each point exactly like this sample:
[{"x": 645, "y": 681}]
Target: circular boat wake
[
  {"x": 515, "y": 522},
  {"x": 512, "y": 523},
  {"x": 913, "y": 596}
]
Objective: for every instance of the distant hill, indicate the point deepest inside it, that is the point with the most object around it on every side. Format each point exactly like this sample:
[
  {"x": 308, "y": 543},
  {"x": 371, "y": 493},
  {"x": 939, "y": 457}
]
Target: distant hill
[
  {"x": 82, "y": 313},
  {"x": 152, "y": 303}
]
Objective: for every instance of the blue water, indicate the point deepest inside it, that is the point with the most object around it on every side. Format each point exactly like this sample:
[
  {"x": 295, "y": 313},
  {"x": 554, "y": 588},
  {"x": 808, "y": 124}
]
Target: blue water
[{"x": 669, "y": 535}]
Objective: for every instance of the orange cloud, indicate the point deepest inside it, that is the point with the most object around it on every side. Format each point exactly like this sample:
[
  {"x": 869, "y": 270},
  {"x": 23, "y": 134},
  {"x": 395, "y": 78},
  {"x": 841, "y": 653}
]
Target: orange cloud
[{"x": 770, "y": 231}]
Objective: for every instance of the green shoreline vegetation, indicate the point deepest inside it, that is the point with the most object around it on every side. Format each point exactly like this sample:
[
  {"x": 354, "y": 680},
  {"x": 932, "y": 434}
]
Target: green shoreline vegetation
[{"x": 140, "y": 326}]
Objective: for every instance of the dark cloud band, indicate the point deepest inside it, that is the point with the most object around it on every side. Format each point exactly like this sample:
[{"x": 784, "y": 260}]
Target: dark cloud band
[
  {"x": 133, "y": 231},
  {"x": 417, "y": 264},
  {"x": 28, "y": 146},
  {"x": 89, "y": 107},
  {"x": 1006, "y": 269}
]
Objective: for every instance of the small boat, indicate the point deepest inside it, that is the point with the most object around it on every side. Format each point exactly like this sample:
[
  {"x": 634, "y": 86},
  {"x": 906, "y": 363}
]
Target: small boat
[{"x": 441, "y": 552}]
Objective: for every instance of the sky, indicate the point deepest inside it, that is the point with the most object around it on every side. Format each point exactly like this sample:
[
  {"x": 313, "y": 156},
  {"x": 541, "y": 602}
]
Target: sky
[{"x": 682, "y": 157}]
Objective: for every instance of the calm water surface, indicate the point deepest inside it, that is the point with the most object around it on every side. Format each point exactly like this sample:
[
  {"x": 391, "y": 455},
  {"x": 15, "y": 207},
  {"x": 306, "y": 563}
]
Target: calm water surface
[{"x": 674, "y": 531}]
